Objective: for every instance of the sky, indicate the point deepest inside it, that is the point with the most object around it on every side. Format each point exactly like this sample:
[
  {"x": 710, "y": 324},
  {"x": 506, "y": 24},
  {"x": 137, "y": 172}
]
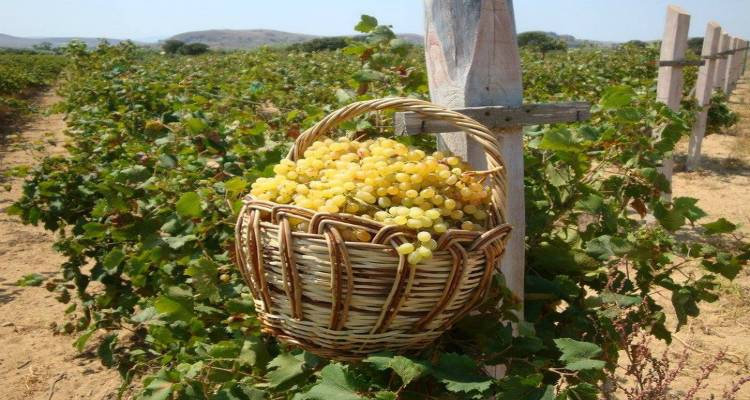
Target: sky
[{"x": 607, "y": 20}]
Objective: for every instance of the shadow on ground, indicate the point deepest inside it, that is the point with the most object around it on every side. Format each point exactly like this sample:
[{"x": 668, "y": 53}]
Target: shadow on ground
[
  {"x": 721, "y": 166},
  {"x": 9, "y": 290}
]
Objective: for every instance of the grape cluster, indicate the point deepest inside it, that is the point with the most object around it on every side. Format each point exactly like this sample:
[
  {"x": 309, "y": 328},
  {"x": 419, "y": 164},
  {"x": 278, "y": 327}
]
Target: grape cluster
[{"x": 385, "y": 181}]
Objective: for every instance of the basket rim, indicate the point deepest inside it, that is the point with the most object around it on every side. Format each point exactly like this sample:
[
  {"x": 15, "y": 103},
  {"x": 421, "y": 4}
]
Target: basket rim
[{"x": 473, "y": 237}]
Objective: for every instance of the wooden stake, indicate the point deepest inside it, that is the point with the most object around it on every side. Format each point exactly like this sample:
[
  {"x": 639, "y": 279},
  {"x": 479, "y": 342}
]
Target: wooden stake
[
  {"x": 473, "y": 61},
  {"x": 739, "y": 60},
  {"x": 669, "y": 85},
  {"x": 703, "y": 92},
  {"x": 731, "y": 67},
  {"x": 721, "y": 66}
]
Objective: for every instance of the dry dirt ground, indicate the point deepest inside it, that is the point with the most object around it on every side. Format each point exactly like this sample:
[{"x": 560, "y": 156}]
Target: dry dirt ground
[
  {"x": 37, "y": 364},
  {"x": 34, "y": 362},
  {"x": 722, "y": 188}
]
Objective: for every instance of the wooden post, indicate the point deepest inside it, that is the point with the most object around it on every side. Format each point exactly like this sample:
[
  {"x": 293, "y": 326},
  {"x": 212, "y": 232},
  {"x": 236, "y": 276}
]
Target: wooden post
[
  {"x": 721, "y": 66},
  {"x": 703, "y": 91},
  {"x": 669, "y": 85},
  {"x": 738, "y": 61},
  {"x": 731, "y": 67},
  {"x": 473, "y": 60}
]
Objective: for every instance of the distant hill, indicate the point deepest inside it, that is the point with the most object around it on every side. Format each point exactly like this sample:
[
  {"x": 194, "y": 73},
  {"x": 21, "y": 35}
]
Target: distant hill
[
  {"x": 574, "y": 42},
  {"x": 15, "y": 42},
  {"x": 252, "y": 38},
  {"x": 242, "y": 39},
  {"x": 412, "y": 38}
]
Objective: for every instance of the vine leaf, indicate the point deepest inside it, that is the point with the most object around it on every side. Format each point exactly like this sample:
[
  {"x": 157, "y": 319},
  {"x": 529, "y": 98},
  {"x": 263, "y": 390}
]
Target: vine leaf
[
  {"x": 113, "y": 259},
  {"x": 366, "y": 24},
  {"x": 605, "y": 247},
  {"x": 189, "y": 205},
  {"x": 160, "y": 388},
  {"x": 285, "y": 369},
  {"x": 525, "y": 388},
  {"x": 579, "y": 355},
  {"x": 719, "y": 226},
  {"x": 205, "y": 282},
  {"x": 94, "y": 230},
  {"x": 725, "y": 265},
  {"x": 581, "y": 391},
  {"x": 336, "y": 383},
  {"x": 683, "y": 208},
  {"x": 177, "y": 304},
  {"x": 368, "y": 75},
  {"x": 235, "y": 186},
  {"x": 386, "y": 395},
  {"x": 560, "y": 140},
  {"x": 253, "y": 393},
  {"x": 406, "y": 368},
  {"x": 459, "y": 374},
  {"x": 176, "y": 242},
  {"x": 105, "y": 350},
  {"x": 616, "y": 97},
  {"x": 253, "y": 352},
  {"x": 33, "y": 279}
]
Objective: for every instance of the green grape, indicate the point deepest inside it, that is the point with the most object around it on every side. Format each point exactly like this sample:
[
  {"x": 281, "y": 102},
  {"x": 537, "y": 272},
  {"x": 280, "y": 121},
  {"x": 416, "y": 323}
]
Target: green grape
[{"x": 385, "y": 181}]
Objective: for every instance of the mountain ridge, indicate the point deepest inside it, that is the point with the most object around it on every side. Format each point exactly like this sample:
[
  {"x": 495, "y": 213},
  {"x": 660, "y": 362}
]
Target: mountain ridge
[
  {"x": 238, "y": 39},
  {"x": 17, "y": 42},
  {"x": 244, "y": 39}
]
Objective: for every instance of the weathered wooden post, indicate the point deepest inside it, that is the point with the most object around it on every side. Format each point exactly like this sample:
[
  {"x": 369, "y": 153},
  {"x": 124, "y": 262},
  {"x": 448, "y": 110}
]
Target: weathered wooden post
[
  {"x": 669, "y": 84},
  {"x": 473, "y": 60},
  {"x": 474, "y": 67},
  {"x": 738, "y": 61},
  {"x": 721, "y": 65},
  {"x": 703, "y": 91},
  {"x": 731, "y": 67}
]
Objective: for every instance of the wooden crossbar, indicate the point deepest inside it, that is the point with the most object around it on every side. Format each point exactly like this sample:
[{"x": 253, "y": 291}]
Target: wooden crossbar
[
  {"x": 724, "y": 54},
  {"x": 732, "y": 51},
  {"x": 681, "y": 63},
  {"x": 496, "y": 117}
]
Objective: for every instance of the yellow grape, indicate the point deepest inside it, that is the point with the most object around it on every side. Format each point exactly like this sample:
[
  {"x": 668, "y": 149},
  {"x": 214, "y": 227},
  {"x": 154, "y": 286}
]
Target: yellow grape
[{"x": 385, "y": 181}]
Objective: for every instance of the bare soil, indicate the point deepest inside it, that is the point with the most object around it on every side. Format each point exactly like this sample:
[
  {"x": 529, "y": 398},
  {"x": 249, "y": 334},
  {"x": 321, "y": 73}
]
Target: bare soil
[
  {"x": 37, "y": 363},
  {"x": 722, "y": 187}
]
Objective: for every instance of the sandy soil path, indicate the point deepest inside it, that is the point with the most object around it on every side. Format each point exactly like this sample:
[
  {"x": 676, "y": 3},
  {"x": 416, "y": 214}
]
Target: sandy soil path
[
  {"x": 722, "y": 188},
  {"x": 32, "y": 358}
]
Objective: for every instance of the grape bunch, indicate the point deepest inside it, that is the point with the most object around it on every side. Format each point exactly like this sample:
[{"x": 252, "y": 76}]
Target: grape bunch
[{"x": 385, "y": 181}]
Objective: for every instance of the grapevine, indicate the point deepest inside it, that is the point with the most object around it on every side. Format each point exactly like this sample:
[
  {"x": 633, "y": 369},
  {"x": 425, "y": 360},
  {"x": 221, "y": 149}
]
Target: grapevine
[{"x": 164, "y": 150}]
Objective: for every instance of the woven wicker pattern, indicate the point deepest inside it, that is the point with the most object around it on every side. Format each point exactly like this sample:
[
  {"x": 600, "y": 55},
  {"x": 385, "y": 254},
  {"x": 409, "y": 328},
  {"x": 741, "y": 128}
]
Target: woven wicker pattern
[{"x": 345, "y": 300}]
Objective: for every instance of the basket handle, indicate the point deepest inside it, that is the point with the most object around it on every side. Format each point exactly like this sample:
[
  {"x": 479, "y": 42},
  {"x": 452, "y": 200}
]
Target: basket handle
[{"x": 477, "y": 131}]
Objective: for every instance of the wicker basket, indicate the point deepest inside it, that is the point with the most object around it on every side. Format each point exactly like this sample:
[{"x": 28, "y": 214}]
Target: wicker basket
[{"x": 345, "y": 300}]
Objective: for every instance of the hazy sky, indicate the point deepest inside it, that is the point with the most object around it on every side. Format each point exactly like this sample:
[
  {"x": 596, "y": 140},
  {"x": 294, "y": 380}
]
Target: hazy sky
[{"x": 615, "y": 20}]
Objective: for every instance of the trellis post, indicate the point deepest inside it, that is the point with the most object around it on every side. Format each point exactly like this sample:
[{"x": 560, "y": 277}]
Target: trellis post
[
  {"x": 473, "y": 60},
  {"x": 721, "y": 65},
  {"x": 731, "y": 67},
  {"x": 738, "y": 61},
  {"x": 669, "y": 84},
  {"x": 703, "y": 92}
]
